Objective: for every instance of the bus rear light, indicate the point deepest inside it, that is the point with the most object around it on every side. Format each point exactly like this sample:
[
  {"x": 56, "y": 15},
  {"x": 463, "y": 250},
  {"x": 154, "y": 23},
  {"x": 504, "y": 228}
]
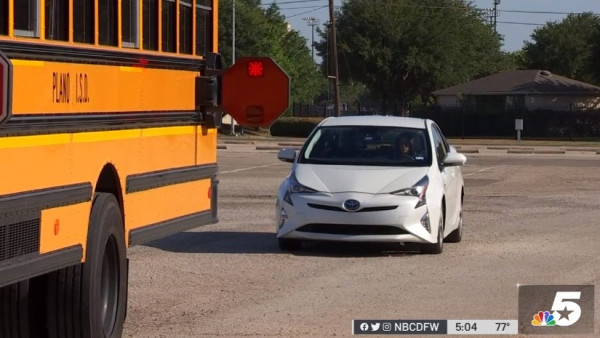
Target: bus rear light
[
  {"x": 56, "y": 226},
  {"x": 142, "y": 62},
  {"x": 209, "y": 192}
]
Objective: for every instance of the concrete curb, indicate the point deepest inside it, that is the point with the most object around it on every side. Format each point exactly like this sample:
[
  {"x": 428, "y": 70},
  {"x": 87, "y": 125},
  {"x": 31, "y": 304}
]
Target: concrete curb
[
  {"x": 274, "y": 148},
  {"x": 290, "y": 144},
  {"x": 239, "y": 142},
  {"x": 582, "y": 149},
  {"x": 467, "y": 149}
]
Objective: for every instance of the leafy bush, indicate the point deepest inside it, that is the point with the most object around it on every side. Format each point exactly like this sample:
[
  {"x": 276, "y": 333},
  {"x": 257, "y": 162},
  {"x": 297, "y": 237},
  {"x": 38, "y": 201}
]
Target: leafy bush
[{"x": 294, "y": 126}]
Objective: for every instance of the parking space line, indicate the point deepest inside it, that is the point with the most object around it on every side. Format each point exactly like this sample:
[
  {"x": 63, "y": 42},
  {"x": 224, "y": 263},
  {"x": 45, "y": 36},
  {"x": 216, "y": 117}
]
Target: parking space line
[
  {"x": 481, "y": 170},
  {"x": 249, "y": 168}
]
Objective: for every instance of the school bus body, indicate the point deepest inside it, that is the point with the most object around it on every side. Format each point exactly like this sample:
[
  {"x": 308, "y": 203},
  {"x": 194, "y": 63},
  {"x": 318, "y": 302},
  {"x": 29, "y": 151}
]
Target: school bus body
[
  {"x": 108, "y": 139},
  {"x": 131, "y": 117},
  {"x": 102, "y": 147}
]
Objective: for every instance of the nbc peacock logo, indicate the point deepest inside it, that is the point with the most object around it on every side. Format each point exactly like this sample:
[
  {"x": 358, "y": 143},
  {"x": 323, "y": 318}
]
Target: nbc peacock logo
[{"x": 543, "y": 318}]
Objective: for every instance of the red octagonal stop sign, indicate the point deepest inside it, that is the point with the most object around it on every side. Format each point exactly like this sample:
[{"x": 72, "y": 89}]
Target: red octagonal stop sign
[{"x": 255, "y": 91}]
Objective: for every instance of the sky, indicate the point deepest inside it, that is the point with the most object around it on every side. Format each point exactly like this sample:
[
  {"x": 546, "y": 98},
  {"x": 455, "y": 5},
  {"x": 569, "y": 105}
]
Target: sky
[{"x": 516, "y": 19}]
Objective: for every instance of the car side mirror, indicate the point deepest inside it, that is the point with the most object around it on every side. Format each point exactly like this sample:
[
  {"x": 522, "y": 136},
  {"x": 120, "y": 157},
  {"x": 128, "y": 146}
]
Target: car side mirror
[
  {"x": 287, "y": 155},
  {"x": 454, "y": 159}
]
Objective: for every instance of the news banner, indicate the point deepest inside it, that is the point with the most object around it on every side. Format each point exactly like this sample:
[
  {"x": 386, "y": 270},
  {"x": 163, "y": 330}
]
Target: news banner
[
  {"x": 462, "y": 327},
  {"x": 543, "y": 310}
]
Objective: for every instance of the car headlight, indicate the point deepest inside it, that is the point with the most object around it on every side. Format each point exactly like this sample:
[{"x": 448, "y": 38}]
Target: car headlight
[
  {"x": 418, "y": 190},
  {"x": 294, "y": 187}
]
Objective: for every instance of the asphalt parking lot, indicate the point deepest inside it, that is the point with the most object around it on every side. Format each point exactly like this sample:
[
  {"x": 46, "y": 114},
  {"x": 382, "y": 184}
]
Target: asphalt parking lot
[{"x": 531, "y": 217}]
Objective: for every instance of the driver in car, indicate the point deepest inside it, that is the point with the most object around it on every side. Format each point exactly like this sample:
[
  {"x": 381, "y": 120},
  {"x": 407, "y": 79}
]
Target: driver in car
[{"x": 404, "y": 147}]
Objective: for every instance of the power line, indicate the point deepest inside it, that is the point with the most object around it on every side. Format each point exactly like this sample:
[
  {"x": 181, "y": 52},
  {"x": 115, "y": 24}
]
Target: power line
[
  {"x": 290, "y": 2},
  {"x": 293, "y": 8},
  {"x": 521, "y": 23},
  {"x": 544, "y": 12},
  {"x": 312, "y": 10}
]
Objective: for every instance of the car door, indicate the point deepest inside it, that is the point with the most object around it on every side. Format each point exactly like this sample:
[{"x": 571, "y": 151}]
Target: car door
[{"x": 448, "y": 175}]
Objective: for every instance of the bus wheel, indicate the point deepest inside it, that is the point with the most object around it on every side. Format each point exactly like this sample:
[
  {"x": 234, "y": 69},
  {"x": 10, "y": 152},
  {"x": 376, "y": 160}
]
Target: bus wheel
[
  {"x": 14, "y": 308},
  {"x": 90, "y": 299}
]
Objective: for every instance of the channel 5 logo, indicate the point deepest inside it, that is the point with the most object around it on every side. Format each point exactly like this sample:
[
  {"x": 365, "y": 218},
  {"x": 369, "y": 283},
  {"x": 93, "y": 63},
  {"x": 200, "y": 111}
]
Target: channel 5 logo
[
  {"x": 556, "y": 309},
  {"x": 566, "y": 311}
]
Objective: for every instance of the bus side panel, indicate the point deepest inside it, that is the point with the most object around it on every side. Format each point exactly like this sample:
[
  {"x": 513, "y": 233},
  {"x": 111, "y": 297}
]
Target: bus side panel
[
  {"x": 47, "y": 161},
  {"x": 164, "y": 203},
  {"x": 80, "y": 88},
  {"x": 41, "y": 161},
  {"x": 206, "y": 146},
  {"x": 64, "y": 226}
]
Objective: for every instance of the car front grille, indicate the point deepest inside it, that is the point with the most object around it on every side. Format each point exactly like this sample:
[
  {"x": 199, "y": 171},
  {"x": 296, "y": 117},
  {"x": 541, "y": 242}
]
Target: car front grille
[
  {"x": 352, "y": 229},
  {"x": 332, "y": 208}
]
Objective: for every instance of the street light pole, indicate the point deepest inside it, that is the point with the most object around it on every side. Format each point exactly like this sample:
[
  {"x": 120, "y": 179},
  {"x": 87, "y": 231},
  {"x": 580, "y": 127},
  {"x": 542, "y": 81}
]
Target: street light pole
[
  {"x": 312, "y": 21},
  {"x": 233, "y": 33},
  {"x": 334, "y": 59}
]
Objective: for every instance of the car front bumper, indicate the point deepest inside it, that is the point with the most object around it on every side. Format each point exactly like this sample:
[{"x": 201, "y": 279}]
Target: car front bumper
[{"x": 381, "y": 218}]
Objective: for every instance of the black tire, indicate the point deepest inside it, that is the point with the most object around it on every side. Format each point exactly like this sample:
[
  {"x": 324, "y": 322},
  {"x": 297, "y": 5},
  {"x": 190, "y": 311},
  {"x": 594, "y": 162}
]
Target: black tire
[
  {"x": 14, "y": 310},
  {"x": 89, "y": 300},
  {"x": 21, "y": 308},
  {"x": 288, "y": 244},
  {"x": 456, "y": 235},
  {"x": 438, "y": 247}
]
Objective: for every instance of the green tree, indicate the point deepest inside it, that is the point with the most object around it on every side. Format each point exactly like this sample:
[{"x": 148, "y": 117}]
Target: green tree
[
  {"x": 264, "y": 32},
  {"x": 569, "y": 48},
  {"x": 519, "y": 59},
  {"x": 405, "y": 50}
]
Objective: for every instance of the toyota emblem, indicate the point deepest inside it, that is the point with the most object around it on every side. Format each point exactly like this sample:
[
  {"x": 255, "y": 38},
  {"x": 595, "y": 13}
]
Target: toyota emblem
[{"x": 351, "y": 205}]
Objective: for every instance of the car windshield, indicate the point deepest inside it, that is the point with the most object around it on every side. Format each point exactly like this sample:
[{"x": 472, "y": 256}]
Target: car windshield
[{"x": 367, "y": 146}]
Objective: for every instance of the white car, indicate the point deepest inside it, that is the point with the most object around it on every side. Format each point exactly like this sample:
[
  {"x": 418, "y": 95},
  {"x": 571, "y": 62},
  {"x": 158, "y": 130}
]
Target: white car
[{"x": 357, "y": 180}]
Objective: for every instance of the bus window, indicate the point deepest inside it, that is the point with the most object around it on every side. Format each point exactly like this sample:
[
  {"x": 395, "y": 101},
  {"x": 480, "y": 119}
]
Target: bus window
[
  {"x": 83, "y": 21},
  {"x": 203, "y": 28},
  {"x": 57, "y": 20},
  {"x": 185, "y": 26},
  {"x": 26, "y": 18},
  {"x": 107, "y": 19},
  {"x": 4, "y": 18},
  {"x": 129, "y": 22},
  {"x": 169, "y": 21},
  {"x": 150, "y": 8}
]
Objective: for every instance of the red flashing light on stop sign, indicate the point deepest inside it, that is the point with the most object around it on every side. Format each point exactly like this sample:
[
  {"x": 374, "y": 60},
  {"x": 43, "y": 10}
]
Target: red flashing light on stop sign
[{"x": 255, "y": 69}]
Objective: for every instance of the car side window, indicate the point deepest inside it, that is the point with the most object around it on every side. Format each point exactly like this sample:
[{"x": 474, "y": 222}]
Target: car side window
[{"x": 440, "y": 144}]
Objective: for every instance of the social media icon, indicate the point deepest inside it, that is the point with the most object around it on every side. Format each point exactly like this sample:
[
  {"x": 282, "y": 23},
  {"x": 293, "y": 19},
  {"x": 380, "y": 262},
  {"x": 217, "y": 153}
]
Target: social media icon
[
  {"x": 387, "y": 327},
  {"x": 375, "y": 326},
  {"x": 364, "y": 327}
]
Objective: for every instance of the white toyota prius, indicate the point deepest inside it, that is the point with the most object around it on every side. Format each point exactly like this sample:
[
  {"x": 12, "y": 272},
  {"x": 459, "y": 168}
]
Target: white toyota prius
[{"x": 372, "y": 179}]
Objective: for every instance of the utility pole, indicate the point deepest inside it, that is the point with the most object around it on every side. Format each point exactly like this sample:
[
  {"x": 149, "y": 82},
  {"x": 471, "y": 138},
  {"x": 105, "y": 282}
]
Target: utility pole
[
  {"x": 496, "y": 3},
  {"x": 334, "y": 56},
  {"x": 233, "y": 33},
  {"x": 312, "y": 21},
  {"x": 232, "y": 54}
]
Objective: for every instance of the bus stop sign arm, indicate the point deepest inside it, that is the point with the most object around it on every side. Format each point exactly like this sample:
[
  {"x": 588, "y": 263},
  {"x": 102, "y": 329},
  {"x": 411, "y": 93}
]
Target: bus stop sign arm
[{"x": 255, "y": 91}]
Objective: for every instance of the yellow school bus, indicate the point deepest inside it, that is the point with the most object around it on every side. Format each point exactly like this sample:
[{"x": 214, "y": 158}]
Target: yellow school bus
[{"x": 108, "y": 132}]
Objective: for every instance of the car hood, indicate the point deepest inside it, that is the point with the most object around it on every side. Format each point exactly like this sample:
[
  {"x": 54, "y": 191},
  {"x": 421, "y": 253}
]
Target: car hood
[{"x": 372, "y": 180}]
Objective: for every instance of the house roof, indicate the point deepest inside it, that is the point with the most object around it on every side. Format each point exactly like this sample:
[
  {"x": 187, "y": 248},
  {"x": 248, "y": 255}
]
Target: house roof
[{"x": 523, "y": 82}]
